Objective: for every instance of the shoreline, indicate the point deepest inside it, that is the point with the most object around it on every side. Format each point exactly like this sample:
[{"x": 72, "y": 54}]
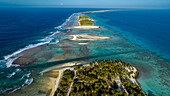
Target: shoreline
[
  {"x": 86, "y": 37},
  {"x": 87, "y": 27},
  {"x": 85, "y": 19}
]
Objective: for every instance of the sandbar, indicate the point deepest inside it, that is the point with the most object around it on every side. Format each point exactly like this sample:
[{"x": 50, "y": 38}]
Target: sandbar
[
  {"x": 88, "y": 37},
  {"x": 87, "y": 27}
]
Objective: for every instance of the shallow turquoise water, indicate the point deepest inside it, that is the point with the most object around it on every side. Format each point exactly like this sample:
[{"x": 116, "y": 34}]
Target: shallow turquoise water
[
  {"x": 154, "y": 70},
  {"x": 148, "y": 28}
]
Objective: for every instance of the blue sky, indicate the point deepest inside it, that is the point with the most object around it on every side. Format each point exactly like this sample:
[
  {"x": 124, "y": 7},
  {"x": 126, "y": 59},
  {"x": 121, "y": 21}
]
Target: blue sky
[{"x": 90, "y": 3}]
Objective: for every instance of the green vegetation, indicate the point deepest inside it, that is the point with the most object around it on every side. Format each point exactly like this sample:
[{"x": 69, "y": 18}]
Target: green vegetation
[
  {"x": 85, "y": 20},
  {"x": 102, "y": 78},
  {"x": 132, "y": 89},
  {"x": 83, "y": 17},
  {"x": 65, "y": 83},
  {"x": 98, "y": 88}
]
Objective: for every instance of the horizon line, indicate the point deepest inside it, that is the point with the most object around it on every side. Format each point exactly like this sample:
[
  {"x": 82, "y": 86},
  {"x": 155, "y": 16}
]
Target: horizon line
[{"x": 23, "y": 6}]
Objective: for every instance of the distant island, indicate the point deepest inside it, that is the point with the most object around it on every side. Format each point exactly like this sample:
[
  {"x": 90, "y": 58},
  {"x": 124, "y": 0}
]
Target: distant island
[
  {"x": 85, "y": 22},
  {"x": 96, "y": 11},
  {"x": 100, "y": 78}
]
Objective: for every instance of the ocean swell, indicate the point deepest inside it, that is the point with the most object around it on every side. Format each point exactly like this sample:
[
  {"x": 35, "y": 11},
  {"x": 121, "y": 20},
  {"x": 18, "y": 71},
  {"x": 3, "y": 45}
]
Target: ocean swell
[
  {"x": 67, "y": 23},
  {"x": 9, "y": 59},
  {"x": 14, "y": 77}
]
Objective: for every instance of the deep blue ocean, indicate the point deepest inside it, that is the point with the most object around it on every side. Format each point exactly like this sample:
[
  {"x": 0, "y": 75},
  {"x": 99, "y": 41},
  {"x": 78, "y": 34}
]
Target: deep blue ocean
[
  {"x": 147, "y": 28},
  {"x": 20, "y": 27}
]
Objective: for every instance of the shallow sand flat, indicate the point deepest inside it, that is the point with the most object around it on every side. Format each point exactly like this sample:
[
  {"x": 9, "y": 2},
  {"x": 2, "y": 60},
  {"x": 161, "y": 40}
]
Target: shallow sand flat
[
  {"x": 87, "y": 27},
  {"x": 71, "y": 63},
  {"x": 59, "y": 57},
  {"x": 53, "y": 76},
  {"x": 71, "y": 50},
  {"x": 27, "y": 56},
  {"x": 59, "y": 67},
  {"x": 39, "y": 54},
  {"x": 54, "y": 82},
  {"x": 87, "y": 37},
  {"x": 84, "y": 43}
]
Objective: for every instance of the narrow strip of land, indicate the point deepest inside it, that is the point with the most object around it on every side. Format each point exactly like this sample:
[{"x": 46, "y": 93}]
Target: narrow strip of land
[
  {"x": 85, "y": 22},
  {"x": 88, "y": 37}
]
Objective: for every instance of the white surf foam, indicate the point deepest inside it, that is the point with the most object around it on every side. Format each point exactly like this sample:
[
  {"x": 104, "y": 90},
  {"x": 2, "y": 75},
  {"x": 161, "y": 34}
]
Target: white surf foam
[
  {"x": 13, "y": 73},
  {"x": 50, "y": 37},
  {"x": 25, "y": 75},
  {"x": 26, "y": 48},
  {"x": 54, "y": 33},
  {"x": 26, "y": 83},
  {"x": 9, "y": 59},
  {"x": 66, "y": 22}
]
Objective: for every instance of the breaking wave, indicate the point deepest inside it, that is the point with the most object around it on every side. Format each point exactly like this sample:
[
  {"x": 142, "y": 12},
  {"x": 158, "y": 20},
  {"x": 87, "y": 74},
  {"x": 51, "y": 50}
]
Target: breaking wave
[
  {"x": 9, "y": 59},
  {"x": 15, "y": 78}
]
